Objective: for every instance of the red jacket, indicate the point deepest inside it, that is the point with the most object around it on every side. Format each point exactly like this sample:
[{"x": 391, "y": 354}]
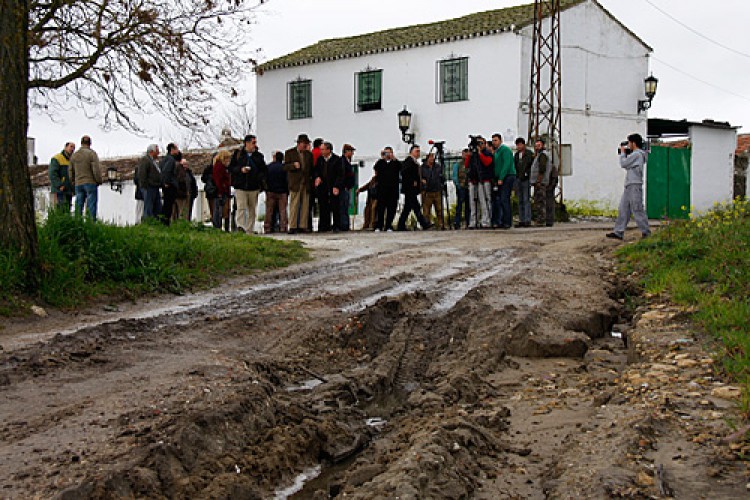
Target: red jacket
[{"x": 222, "y": 179}]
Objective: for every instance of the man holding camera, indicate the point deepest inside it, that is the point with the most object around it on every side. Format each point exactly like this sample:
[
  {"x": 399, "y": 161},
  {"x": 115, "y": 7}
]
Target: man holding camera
[{"x": 633, "y": 160}]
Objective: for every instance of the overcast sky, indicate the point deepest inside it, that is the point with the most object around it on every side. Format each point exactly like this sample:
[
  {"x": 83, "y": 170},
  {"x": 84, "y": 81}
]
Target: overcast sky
[{"x": 703, "y": 72}]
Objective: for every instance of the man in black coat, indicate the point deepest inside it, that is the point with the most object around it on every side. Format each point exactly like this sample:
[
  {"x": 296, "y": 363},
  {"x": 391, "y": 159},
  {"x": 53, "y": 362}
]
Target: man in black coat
[
  {"x": 248, "y": 172},
  {"x": 168, "y": 168},
  {"x": 410, "y": 187},
  {"x": 328, "y": 181},
  {"x": 388, "y": 170},
  {"x": 149, "y": 182}
]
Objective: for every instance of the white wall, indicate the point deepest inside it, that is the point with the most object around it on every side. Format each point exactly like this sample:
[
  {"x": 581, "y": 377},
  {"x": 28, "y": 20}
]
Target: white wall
[
  {"x": 602, "y": 80},
  {"x": 409, "y": 78},
  {"x": 711, "y": 167},
  {"x": 603, "y": 72}
]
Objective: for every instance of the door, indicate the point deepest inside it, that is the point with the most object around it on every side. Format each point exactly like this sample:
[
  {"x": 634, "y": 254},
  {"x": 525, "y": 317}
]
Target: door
[{"x": 668, "y": 183}]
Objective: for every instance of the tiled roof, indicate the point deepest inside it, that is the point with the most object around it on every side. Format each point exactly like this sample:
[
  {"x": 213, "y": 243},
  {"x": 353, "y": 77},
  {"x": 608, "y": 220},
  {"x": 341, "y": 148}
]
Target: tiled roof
[
  {"x": 471, "y": 26},
  {"x": 743, "y": 144}
]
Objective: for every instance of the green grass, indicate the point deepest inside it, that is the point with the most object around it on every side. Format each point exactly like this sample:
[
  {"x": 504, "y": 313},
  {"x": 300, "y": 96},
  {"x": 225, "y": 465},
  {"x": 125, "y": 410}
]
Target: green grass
[
  {"x": 82, "y": 260},
  {"x": 588, "y": 208},
  {"x": 704, "y": 263}
]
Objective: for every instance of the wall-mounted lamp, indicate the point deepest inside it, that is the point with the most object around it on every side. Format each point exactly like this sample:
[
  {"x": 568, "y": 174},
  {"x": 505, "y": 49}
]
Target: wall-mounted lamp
[
  {"x": 115, "y": 179},
  {"x": 650, "y": 85},
  {"x": 404, "y": 122}
]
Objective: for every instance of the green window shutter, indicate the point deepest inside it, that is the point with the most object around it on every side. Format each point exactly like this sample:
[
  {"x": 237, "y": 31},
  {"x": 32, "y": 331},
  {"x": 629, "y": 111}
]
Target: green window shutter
[
  {"x": 369, "y": 90},
  {"x": 300, "y": 99},
  {"x": 454, "y": 80}
]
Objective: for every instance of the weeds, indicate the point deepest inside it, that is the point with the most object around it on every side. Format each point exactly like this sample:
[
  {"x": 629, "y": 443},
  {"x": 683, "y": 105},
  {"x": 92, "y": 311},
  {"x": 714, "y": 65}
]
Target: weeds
[
  {"x": 81, "y": 260},
  {"x": 704, "y": 263}
]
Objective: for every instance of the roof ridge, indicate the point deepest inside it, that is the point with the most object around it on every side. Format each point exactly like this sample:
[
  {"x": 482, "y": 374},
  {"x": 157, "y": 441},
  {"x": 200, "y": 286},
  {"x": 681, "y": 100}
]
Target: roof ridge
[{"x": 472, "y": 25}]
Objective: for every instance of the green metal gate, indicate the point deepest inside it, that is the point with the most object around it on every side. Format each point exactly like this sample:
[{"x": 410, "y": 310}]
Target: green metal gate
[{"x": 668, "y": 183}]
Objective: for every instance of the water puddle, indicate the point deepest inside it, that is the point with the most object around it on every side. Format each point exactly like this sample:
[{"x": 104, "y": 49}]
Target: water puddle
[
  {"x": 307, "y": 385},
  {"x": 299, "y": 483}
]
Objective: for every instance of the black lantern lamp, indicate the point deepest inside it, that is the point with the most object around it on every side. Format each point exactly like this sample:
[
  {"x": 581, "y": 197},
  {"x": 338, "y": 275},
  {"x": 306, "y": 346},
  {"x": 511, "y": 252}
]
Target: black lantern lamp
[
  {"x": 115, "y": 179},
  {"x": 404, "y": 122},
  {"x": 650, "y": 84}
]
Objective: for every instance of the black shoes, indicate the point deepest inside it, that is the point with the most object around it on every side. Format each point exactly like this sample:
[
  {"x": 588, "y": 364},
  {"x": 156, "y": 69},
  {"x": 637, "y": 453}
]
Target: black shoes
[{"x": 614, "y": 236}]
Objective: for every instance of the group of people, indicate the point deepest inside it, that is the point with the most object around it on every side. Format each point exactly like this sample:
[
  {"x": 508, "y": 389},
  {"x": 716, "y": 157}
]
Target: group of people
[
  {"x": 484, "y": 177},
  {"x": 166, "y": 188},
  {"x": 311, "y": 173}
]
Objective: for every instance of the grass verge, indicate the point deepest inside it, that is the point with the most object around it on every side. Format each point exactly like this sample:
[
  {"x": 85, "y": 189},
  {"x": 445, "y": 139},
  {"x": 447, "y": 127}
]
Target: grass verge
[
  {"x": 704, "y": 264},
  {"x": 82, "y": 260}
]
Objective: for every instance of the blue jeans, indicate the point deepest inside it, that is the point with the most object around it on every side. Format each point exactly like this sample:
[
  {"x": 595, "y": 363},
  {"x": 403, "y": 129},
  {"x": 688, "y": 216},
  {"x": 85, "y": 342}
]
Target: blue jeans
[
  {"x": 506, "y": 216},
  {"x": 89, "y": 194},
  {"x": 151, "y": 202},
  {"x": 462, "y": 206},
  {"x": 523, "y": 189}
]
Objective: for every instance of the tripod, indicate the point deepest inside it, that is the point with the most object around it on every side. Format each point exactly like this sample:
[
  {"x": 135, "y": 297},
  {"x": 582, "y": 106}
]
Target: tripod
[{"x": 440, "y": 160}]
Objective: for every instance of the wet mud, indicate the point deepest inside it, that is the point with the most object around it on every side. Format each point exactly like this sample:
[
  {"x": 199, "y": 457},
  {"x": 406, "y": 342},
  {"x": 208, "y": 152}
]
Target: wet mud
[{"x": 431, "y": 365}]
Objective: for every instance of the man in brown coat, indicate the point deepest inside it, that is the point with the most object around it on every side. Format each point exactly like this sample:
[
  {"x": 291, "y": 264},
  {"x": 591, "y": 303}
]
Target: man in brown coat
[
  {"x": 86, "y": 175},
  {"x": 298, "y": 163}
]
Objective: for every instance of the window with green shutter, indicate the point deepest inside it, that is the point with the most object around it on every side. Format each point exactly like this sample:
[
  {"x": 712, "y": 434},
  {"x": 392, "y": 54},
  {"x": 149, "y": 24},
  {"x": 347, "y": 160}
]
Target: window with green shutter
[
  {"x": 453, "y": 79},
  {"x": 300, "y": 99},
  {"x": 369, "y": 90}
]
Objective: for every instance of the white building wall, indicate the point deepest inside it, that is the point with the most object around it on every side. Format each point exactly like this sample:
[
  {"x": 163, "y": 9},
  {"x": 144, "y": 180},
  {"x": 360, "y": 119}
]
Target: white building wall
[
  {"x": 603, "y": 67},
  {"x": 603, "y": 71},
  {"x": 409, "y": 78},
  {"x": 711, "y": 166}
]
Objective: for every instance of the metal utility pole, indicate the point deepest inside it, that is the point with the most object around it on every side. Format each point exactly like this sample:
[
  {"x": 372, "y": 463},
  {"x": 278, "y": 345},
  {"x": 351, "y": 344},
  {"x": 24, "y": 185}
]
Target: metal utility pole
[{"x": 545, "y": 98}]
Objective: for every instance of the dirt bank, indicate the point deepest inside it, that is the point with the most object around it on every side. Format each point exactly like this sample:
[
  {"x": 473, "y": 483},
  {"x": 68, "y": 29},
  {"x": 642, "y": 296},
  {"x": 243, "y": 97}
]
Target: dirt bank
[{"x": 417, "y": 365}]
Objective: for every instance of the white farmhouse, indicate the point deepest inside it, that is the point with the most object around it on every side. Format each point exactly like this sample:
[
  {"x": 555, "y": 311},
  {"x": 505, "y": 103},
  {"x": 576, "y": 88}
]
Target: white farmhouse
[{"x": 464, "y": 76}]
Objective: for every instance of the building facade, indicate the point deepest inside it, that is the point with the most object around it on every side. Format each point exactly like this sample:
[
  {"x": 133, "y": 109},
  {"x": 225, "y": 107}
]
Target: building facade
[{"x": 464, "y": 76}]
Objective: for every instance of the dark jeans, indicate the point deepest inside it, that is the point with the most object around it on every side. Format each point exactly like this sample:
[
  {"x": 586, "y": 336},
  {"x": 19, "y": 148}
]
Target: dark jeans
[
  {"x": 345, "y": 197},
  {"x": 496, "y": 209},
  {"x": 88, "y": 194},
  {"x": 170, "y": 198},
  {"x": 523, "y": 189},
  {"x": 411, "y": 203},
  {"x": 386, "y": 212},
  {"x": 63, "y": 200},
  {"x": 462, "y": 207},
  {"x": 506, "y": 216},
  {"x": 151, "y": 202}
]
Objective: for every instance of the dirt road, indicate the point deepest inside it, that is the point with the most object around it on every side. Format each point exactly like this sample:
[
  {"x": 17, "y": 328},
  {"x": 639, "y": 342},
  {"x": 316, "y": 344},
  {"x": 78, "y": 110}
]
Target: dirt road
[{"x": 410, "y": 365}]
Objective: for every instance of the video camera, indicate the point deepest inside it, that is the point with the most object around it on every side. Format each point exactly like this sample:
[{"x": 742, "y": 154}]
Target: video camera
[
  {"x": 473, "y": 143},
  {"x": 627, "y": 150}
]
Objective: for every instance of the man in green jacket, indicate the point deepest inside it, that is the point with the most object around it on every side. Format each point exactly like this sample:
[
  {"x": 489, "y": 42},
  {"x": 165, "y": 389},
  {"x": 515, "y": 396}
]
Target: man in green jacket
[
  {"x": 59, "y": 177},
  {"x": 505, "y": 175}
]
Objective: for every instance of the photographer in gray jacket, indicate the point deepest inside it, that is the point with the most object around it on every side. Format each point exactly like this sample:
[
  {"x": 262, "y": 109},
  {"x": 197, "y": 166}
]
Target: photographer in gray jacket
[{"x": 633, "y": 159}]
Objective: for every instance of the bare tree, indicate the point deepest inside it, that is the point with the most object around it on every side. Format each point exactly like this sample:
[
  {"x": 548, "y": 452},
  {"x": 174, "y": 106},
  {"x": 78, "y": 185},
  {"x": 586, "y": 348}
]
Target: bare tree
[
  {"x": 116, "y": 59},
  {"x": 239, "y": 119}
]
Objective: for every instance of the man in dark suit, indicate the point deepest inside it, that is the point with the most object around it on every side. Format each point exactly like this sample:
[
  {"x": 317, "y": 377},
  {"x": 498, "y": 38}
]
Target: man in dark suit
[
  {"x": 328, "y": 180},
  {"x": 298, "y": 163},
  {"x": 388, "y": 170},
  {"x": 149, "y": 182},
  {"x": 410, "y": 186}
]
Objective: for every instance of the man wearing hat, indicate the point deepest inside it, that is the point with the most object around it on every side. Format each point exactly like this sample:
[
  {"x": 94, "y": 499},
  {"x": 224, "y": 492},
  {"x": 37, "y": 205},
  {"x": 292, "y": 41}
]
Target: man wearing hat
[
  {"x": 248, "y": 172},
  {"x": 298, "y": 163},
  {"x": 347, "y": 152}
]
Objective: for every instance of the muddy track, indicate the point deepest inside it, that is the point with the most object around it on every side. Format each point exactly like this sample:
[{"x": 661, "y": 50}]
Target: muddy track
[{"x": 418, "y": 365}]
